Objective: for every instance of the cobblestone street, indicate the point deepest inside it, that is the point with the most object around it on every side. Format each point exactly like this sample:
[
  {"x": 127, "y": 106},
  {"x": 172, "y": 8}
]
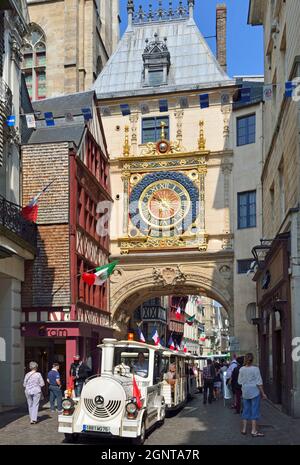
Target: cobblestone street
[{"x": 196, "y": 425}]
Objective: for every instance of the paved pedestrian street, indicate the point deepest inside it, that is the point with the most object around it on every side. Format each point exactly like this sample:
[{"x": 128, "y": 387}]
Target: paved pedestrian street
[{"x": 196, "y": 424}]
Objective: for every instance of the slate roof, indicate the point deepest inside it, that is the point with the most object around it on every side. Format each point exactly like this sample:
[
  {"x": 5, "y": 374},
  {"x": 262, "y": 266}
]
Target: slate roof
[
  {"x": 63, "y": 131},
  {"x": 193, "y": 65}
]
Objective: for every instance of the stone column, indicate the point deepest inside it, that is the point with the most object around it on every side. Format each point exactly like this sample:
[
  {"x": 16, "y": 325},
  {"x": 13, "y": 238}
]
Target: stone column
[
  {"x": 178, "y": 113},
  {"x": 227, "y": 170},
  {"x": 134, "y": 117},
  {"x": 125, "y": 179}
]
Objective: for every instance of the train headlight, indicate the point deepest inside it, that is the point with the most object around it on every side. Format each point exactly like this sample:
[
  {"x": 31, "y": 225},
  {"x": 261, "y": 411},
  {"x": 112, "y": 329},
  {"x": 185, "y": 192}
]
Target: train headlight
[
  {"x": 68, "y": 404},
  {"x": 131, "y": 410}
]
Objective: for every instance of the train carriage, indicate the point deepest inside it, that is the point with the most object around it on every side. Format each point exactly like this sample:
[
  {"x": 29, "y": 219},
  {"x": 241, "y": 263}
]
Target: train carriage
[{"x": 110, "y": 405}]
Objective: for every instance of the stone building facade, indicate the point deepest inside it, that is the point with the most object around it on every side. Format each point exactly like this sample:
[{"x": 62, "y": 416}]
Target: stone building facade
[
  {"x": 163, "y": 137},
  {"x": 277, "y": 257},
  {"x": 69, "y": 43},
  {"x": 17, "y": 236},
  {"x": 61, "y": 315}
]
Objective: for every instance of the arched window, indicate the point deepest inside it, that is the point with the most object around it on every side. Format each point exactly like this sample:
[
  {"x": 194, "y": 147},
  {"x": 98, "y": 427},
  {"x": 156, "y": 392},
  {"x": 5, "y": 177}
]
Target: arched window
[{"x": 34, "y": 63}]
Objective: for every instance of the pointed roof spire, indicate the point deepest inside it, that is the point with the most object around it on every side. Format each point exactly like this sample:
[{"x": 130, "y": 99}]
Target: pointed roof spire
[
  {"x": 191, "y": 4},
  {"x": 130, "y": 11}
]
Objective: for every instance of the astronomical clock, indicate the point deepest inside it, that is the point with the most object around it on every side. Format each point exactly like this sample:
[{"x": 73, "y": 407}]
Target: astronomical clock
[{"x": 164, "y": 191}]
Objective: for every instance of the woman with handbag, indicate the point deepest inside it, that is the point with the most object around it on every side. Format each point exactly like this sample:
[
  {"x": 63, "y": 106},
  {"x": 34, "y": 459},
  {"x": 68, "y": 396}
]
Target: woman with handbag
[{"x": 33, "y": 383}]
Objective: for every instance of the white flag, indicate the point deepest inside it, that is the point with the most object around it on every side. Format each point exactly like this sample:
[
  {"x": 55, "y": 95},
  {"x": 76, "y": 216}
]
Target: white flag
[
  {"x": 30, "y": 120},
  {"x": 268, "y": 92}
]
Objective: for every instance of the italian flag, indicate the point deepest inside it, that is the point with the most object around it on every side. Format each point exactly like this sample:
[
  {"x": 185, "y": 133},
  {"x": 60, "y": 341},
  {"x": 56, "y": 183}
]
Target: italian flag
[
  {"x": 100, "y": 275},
  {"x": 190, "y": 320},
  {"x": 178, "y": 313}
]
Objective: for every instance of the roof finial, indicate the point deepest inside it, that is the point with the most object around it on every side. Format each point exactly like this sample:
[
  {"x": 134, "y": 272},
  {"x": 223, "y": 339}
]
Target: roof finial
[
  {"x": 130, "y": 11},
  {"x": 126, "y": 147},
  {"x": 191, "y": 4},
  {"x": 201, "y": 141}
]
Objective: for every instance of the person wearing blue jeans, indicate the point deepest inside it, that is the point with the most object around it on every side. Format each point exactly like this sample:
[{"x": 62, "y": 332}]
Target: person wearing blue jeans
[
  {"x": 252, "y": 390},
  {"x": 55, "y": 388}
]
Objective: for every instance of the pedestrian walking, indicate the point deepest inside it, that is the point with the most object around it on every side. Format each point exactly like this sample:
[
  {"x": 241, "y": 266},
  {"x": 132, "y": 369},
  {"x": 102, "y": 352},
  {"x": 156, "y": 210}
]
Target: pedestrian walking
[
  {"x": 217, "y": 381},
  {"x": 33, "y": 383},
  {"x": 209, "y": 374},
  {"x": 79, "y": 371},
  {"x": 55, "y": 388},
  {"x": 236, "y": 387},
  {"x": 252, "y": 390}
]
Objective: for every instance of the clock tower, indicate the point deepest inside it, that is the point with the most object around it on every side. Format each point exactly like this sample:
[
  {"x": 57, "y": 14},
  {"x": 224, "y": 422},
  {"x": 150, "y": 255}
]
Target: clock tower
[{"x": 164, "y": 195}]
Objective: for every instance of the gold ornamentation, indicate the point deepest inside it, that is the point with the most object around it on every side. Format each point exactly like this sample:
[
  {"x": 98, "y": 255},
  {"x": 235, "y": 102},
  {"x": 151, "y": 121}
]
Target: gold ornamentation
[
  {"x": 195, "y": 242},
  {"x": 202, "y": 140},
  {"x": 126, "y": 147},
  {"x": 163, "y": 134},
  {"x": 150, "y": 149},
  {"x": 135, "y": 178}
]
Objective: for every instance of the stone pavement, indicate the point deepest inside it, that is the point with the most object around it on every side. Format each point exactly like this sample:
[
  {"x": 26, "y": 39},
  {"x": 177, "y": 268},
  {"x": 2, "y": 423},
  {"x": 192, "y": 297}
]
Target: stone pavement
[{"x": 196, "y": 424}]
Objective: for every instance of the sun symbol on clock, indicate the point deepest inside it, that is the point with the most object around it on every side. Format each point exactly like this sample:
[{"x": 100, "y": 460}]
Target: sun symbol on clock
[{"x": 164, "y": 204}]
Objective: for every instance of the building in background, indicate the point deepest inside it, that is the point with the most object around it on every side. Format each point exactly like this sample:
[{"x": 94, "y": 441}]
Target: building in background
[
  {"x": 17, "y": 236},
  {"x": 151, "y": 316},
  {"x": 68, "y": 44},
  {"x": 62, "y": 315},
  {"x": 194, "y": 328},
  {"x": 215, "y": 339},
  {"x": 277, "y": 257}
]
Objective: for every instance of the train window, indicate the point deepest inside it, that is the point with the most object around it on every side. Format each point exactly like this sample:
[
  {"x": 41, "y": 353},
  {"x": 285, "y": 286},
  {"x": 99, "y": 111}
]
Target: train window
[
  {"x": 157, "y": 372},
  {"x": 133, "y": 359}
]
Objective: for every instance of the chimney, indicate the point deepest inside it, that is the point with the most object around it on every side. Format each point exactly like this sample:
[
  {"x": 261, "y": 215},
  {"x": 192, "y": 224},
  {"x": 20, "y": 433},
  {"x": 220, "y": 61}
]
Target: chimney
[{"x": 221, "y": 26}]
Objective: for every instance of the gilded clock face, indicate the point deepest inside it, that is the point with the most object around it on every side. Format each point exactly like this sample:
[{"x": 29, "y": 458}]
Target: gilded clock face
[{"x": 162, "y": 202}]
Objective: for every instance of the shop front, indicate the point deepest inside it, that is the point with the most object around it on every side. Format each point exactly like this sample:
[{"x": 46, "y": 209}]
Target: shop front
[
  {"x": 274, "y": 322},
  {"x": 46, "y": 343}
]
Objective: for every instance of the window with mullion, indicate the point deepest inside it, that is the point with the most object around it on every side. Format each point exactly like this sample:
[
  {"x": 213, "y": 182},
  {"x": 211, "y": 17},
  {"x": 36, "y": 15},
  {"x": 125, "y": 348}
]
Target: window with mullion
[
  {"x": 246, "y": 130},
  {"x": 151, "y": 129},
  {"x": 247, "y": 210}
]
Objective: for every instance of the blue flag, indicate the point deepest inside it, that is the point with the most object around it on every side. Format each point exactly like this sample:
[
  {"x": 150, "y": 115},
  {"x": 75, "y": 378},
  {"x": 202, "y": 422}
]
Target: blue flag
[
  {"x": 289, "y": 88},
  {"x": 11, "y": 121},
  {"x": 49, "y": 118},
  {"x": 204, "y": 101},
  {"x": 245, "y": 94}
]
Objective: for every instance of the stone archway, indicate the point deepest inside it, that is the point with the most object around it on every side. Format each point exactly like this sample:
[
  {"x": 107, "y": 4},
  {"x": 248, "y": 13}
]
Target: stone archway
[{"x": 132, "y": 283}]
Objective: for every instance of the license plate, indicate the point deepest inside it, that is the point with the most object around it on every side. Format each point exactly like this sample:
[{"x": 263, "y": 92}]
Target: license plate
[{"x": 97, "y": 429}]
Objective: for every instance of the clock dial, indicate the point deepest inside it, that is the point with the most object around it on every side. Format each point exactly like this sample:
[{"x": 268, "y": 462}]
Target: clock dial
[{"x": 164, "y": 203}]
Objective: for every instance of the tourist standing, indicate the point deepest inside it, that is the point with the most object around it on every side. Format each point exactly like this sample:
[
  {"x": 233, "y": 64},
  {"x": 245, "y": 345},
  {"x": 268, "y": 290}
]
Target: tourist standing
[
  {"x": 252, "y": 390},
  {"x": 55, "y": 388},
  {"x": 33, "y": 383}
]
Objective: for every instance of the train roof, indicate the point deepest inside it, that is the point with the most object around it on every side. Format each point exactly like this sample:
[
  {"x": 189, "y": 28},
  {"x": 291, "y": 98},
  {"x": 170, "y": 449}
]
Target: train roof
[{"x": 138, "y": 344}]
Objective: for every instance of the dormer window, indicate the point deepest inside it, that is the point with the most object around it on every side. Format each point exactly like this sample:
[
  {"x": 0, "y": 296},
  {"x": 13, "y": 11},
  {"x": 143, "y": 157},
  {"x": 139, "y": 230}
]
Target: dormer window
[
  {"x": 155, "y": 77},
  {"x": 157, "y": 62}
]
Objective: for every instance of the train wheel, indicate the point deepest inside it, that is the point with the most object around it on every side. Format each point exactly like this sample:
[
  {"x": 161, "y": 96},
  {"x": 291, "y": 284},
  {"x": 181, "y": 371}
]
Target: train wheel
[{"x": 141, "y": 439}]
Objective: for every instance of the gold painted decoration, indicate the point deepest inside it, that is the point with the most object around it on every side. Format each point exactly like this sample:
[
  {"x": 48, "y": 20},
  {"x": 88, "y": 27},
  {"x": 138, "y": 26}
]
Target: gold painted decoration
[
  {"x": 126, "y": 147},
  {"x": 202, "y": 140}
]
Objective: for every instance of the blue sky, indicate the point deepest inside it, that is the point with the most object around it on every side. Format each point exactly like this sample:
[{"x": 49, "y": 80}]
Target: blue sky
[{"x": 244, "y": 42}]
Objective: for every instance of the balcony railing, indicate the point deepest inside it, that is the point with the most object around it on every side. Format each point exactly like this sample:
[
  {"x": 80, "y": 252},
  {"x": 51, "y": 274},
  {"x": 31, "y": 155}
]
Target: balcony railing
[
  {"x": 5, "y": 99},
  {"x": 12, "y": 220}
]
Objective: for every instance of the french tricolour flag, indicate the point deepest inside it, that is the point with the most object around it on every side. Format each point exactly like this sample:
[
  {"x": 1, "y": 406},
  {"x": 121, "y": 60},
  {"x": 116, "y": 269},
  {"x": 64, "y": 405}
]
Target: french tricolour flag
[
  {"x": 141, "y": 335},
  {"x": 155, "y": 337},
  {"x": 171, "y": 343},
  {"x": 178, "y": 313}
]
